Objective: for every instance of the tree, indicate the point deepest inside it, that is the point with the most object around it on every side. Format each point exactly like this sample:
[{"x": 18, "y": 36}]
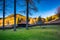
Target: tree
[
  {"x": 31, "y": 2},
  {"x": 58, "y": 12},
  {"x": 49, "y": 19},
  {"x": 46, "y": 19},
  {"x": 43, "y": 20},
  {"x": 31, "y": 21},
  {"x": 39, "y": 18},
  {"x": 14, "y": 15},
  {"x": 39, "y": 21},
  {"x": 53, "y": 17},
  {"x": 19, "y": 20},
  {"x": 8, "y": 23},
  {"x": 14, "y": 12},
  {"x": 30, "y": 5},
  {"x": 1, "y": 4},
  {"x": 33, "y": 7},
  {"x": 3, "y": 13},
  {"x": 4, "y": 8}
]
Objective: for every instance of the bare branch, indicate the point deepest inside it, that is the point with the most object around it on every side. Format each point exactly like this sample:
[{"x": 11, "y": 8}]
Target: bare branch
[
  {"x": 34, "y": 9},
  {"x": 30, "y": 13},
  {"x": 0, "y": 9},
  {"x": 22, "y": 11},
  {"x": 38, "y": 1},
  {"x": 1, "y": 0}
]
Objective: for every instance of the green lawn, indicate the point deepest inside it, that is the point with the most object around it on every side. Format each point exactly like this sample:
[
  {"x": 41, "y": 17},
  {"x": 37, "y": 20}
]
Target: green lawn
[{"x": 34, "y": 33}]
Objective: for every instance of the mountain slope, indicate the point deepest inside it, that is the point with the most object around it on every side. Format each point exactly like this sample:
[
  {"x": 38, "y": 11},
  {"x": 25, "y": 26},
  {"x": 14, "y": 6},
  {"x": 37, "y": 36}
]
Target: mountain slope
[
  {"x": 20, "y": 19},
  {"x": 10, "y": 19}
]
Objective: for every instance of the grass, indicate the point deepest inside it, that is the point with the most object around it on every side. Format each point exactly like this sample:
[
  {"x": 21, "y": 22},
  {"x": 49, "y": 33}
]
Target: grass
[{"x": 34, "y": 33}]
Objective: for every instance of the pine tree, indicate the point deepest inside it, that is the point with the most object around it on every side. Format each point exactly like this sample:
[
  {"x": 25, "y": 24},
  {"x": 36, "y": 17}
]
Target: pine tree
[
  {"x": 14, "y": 15},
  {"x": 39, "y": 20},
  {"x": 28, "y": 8},
  {"x": 3, "y": 14}
]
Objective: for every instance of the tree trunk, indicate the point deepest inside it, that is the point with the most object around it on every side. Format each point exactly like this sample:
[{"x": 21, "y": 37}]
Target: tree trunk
[
  {"x": 14, "y": 15},
  {"x": 27, "y": 11},
  {"x": 3, "y": 14}
]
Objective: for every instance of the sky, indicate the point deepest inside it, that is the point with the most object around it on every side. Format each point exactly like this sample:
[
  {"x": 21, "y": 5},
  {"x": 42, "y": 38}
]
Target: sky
[{"x": 45, "y": 8}]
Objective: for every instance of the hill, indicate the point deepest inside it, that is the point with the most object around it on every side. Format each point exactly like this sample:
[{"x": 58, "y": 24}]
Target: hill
[
  {"x": 52, "y": 18},
  {"x": 10, "y": 19},
  {"x": 20, "y": 19}
]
